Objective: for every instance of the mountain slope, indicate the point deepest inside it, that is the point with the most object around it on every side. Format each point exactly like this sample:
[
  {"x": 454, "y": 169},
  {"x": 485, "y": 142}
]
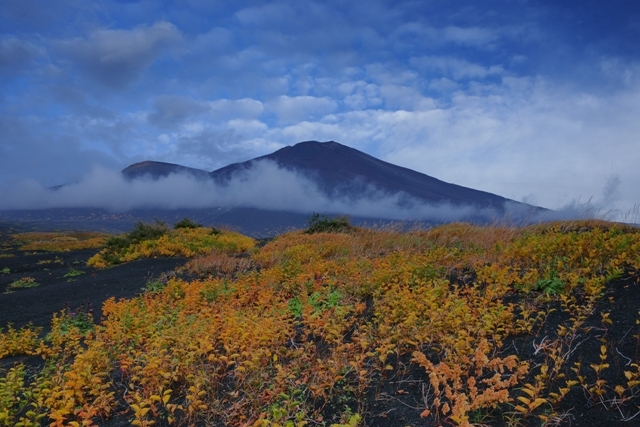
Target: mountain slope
[
  {"x": 344, "y": 171},
  {"x": 341, "y": 172},
  {"x": 157, "y": 170}
]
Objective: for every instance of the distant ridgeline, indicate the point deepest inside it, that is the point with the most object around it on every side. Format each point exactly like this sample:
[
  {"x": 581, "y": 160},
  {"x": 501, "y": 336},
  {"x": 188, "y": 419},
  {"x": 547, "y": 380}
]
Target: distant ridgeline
[
  {"x": 338, "y": 172},
  {"x": 342, "y": 171}
]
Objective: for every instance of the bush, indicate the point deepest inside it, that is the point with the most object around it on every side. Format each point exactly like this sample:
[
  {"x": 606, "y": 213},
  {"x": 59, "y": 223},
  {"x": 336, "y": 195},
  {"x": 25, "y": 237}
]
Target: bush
[
  {"x": 186, "y": 223},
  {"x": 323, "y": 224},
  {"x": 143, "y": 231},
  {"x": 117, "y": 245},
  {"x": 182, "y": 242}
]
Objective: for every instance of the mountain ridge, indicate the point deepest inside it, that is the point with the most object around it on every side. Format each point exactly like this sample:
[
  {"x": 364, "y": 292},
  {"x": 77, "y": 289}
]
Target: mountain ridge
[
  {"x": 157, "y": 170},
  {"x": 342, "y": 171}
]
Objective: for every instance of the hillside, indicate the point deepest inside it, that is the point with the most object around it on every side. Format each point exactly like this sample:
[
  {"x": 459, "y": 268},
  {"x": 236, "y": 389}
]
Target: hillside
[
  {"x": 343, "y": 171},
  {"x": 326, "y": 177}
]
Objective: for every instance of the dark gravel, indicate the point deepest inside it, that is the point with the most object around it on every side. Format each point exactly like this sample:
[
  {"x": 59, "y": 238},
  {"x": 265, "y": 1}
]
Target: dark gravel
[{"x": 55, "y": 292}]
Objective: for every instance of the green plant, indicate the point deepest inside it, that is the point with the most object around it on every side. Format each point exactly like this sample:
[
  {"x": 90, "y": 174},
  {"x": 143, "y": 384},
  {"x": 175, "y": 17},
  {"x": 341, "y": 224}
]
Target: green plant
[
  {"x": 11, "y": 386},
  {"x": 321, "y": 223},
  {"x": 326, "y": 301},
  {"x": 186, "y": 223},
  {"x": 295, "y": 307},
  {"x": 142, "y": 231},
  {"x": 25, "y": 282},
  {"x": 80, "y": 319},
  {"x": 5, "y": 270},
  {"x": 551, "y": 285},
  {"x": 154, "y": 286},
  {"x": 353, "y": 421},
  {"x": 73, "y": 273}
]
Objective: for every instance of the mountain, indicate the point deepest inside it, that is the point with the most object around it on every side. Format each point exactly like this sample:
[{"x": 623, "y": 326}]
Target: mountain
[
  {"x": 339, "y": 170},
  {"x": 157, "y": 170}
]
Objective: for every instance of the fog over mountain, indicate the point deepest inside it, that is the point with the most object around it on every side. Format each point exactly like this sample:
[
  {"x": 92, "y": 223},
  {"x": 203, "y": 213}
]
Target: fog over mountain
[
  {"x": 307, "y": 177},
  {"x": 265, "y": 186}
]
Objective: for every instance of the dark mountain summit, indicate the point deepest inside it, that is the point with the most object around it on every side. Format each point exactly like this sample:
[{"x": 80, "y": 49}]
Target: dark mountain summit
[
  {"x": 344, "y": 171},
  {"x": 157, "y": 170}
]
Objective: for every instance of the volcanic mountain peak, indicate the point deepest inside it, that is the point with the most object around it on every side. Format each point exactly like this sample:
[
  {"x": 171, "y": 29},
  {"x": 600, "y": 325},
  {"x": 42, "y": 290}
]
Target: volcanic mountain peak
[
  {"x": 157, "y": 170},
  {"x": 346, "y": 173}
]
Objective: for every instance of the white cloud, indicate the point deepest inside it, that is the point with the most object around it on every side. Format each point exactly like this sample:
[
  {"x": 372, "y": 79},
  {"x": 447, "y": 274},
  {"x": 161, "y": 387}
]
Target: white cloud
[
  {"x": 171, "y": 111},
  {"x": 294, "y": 109},
  {"x": 360, "y": 95},
  {"x": 405, "y": 98},
  {"x": 524, "y": 137},
  {"x": 248, "y": 128},
  {"x": 443, "y": 84},
  {"x": 470, "y": 36},
  {"x": 228, "y": 109},
  {"x": 264, "y": 186},
  {"x": 118, "y": 57},
  {"x": 455, "y": 68},
  {"x": 274, "y": 13},
  {"x": 478, "y": 37},
  {"x": 174, "y": 110}
]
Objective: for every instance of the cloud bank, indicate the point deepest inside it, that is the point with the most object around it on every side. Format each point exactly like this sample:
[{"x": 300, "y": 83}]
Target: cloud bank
[{"x": 264, "y": 186}]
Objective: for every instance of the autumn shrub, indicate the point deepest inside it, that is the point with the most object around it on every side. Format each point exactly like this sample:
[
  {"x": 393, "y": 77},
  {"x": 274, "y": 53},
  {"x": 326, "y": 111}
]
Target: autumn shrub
[
  {"x": 154, "y": 240},
  {"x": 186, "y": 223},
  {"x": 220, "y": 265},
  {"x": 19, "y": 341},
  {"x": 319, "y": 223},
  {"x": 305, "y": 333},
  {"x": 60, "y": 241}
]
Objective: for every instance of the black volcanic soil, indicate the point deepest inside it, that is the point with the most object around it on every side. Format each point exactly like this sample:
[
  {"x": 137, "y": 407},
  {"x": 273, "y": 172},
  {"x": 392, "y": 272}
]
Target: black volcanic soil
[{"x": 55, "y": 292}]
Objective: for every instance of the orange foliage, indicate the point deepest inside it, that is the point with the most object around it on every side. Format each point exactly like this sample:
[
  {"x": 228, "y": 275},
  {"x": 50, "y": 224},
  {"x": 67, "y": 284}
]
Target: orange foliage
[{"x": 318, "y": 316}]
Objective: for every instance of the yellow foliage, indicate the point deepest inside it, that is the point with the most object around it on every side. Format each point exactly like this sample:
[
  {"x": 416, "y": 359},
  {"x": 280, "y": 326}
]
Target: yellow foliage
[
  {"x": 182, "y": 242},
  {"x": 308, "y": 318},
  {"x": 60, "y": 241}
]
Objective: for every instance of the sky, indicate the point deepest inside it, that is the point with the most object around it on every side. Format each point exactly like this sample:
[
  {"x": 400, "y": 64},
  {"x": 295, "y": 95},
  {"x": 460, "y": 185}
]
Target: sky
[{"x": 537, "y": 101}]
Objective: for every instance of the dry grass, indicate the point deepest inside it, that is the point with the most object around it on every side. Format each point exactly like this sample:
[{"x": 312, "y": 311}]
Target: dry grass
[
  {"x": 217, "y": 264},
  {"x": 60, "y": 241}
]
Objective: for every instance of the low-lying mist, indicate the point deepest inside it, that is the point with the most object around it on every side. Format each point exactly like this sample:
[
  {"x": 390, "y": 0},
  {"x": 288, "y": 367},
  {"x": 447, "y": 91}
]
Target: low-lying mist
[{"x": 264, "y": 186}]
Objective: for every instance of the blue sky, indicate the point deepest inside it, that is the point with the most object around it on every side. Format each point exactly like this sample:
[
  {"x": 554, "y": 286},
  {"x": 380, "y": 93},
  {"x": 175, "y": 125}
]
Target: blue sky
[{"x": 533, "y": 100}]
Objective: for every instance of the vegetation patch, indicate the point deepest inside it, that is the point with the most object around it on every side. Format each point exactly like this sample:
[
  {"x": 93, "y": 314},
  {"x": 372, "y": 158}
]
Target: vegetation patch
[
  {"x": 73, "y": 273},
  {"x": 24, "y": 283},
  {"x": 319, "y": 223},
  {"x": 157, "y": 239},
  {"x": 60, "y": 241},
  {"x": 186, "y": 223},
  {"x": 219, "y": 264},
  {"x": 371, "y": 327}
]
